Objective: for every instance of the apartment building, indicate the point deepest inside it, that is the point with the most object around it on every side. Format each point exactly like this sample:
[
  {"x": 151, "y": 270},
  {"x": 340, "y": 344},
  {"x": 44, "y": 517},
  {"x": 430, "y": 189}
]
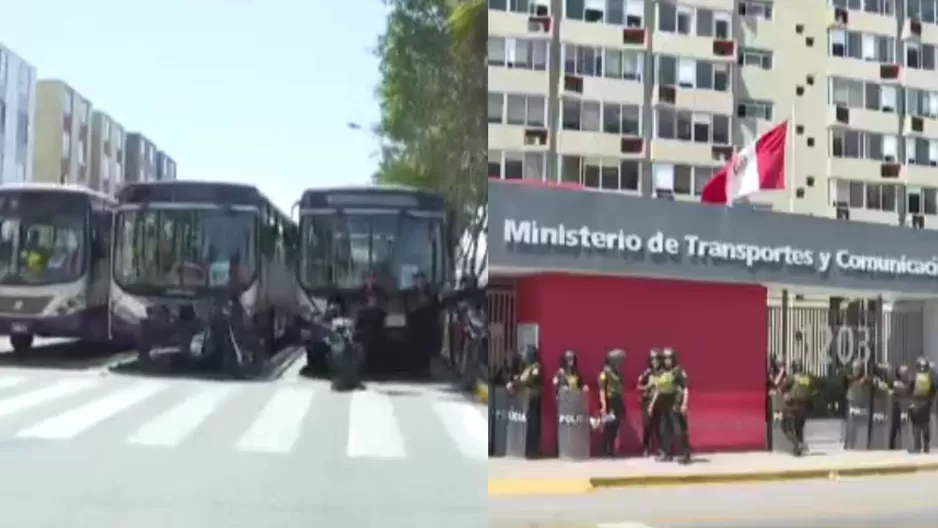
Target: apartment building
[
  {"x": 107, "y": 152},
  {"x": 651, "y": 97},
  {"x": 63, "y": 130},
  {"x": 165, "y": 167},
  {"x": 140, "y": 163},
  {"x": 17, "y": 108}
]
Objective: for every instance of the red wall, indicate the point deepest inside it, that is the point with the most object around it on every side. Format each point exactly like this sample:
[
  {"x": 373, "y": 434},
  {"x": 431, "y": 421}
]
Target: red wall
[{"x": 719, "y": 330}]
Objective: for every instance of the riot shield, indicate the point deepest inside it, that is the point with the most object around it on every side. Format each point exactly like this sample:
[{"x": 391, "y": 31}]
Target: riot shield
[
  {"x": 857, "y": 428},
  {"x": 780, "y": 442},
  {"x": 573, "y": 429},
  {"x": 883, "y": 416},
  {"x": 498, "y": 421},
  {"x": 904, "y": 436},
  {"x": 517, "y": 434}
]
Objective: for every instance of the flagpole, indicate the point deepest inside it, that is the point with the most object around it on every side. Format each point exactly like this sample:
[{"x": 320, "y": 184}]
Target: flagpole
[{"x": 790, "y": 177}]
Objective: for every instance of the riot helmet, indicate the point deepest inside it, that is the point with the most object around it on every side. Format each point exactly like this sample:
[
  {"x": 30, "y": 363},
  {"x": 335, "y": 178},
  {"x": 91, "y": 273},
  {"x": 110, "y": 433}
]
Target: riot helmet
[
  {"x": 615, "y": 357},
  {"x": 857, "y": 366},
  {"x": 569, "y": 359},
  {"x": 797, "y": 366},
  {"x": 529, "y": 354},
  {"x": 654, "y": 358},
  {"x": 669, "y": 357},
  {"x": 921, "y": 364}
]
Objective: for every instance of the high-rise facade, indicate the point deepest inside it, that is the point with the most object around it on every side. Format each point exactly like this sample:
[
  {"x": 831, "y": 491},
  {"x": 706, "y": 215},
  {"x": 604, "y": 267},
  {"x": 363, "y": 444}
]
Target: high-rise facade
[
  {"x": 63, "y": 135},
  {"x": 17, "y": 107},
  {"x": 651, "y": 97},
  {"x": 107, "y": 152},
  {"x": 165, "y": 167},
  {"x": 141, "y": 159}
]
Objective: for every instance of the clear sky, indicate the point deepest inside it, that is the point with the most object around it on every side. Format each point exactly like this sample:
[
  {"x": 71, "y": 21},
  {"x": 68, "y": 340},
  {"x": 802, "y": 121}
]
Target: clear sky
[{"x": 237, "y": 90}]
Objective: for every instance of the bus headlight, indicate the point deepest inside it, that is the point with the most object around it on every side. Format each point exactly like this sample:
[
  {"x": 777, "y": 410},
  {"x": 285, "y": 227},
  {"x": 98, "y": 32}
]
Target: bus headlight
[{"x": 71, "y": 305}]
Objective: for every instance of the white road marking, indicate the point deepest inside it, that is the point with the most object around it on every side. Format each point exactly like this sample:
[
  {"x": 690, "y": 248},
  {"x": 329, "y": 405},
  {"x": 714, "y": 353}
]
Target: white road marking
[
  {"x": 175, "y": 425},
  {"x": 9, "y": 382},
  {"x": 467, "y": 426},
  {"x": 278, "y": 426},
  {"x": 28, "y": 400},
  {"x": 72, "y": 423},
  {"x": 373, "y": 430}
]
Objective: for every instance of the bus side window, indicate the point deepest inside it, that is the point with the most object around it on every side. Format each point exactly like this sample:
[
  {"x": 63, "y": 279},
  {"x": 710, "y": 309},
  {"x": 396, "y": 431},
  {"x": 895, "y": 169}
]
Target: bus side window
[{"x": 266, "y": 234}]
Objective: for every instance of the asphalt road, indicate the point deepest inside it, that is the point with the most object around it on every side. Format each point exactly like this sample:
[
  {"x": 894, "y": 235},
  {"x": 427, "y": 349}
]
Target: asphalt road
[
  {"x": 96, "y": 449},
  {"x": 876, "y": 502}
]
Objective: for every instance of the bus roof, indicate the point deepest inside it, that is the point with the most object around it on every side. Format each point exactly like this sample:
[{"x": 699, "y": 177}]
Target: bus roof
[
  {"x": 372, "y": 196},
  {"x": 56, "y": 187}
]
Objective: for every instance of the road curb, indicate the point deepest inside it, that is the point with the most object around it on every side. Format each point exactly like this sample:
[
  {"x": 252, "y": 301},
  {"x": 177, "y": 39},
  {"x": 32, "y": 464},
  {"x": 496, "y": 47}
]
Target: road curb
[
  {"x": 481, "y": 391},
  {"x": 506, "y": 487}
]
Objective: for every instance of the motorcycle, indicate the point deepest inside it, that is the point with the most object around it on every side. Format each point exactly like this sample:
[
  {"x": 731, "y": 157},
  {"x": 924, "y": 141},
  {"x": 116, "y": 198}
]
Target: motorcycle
[{"x": 345, "y": 355}]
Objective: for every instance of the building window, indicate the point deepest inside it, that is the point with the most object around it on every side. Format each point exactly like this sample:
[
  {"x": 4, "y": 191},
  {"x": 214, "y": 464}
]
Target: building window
[
  {"x": 622, "y": 119},
  {"x": 686, "y": 125},
  {"x": 919, "y": 56},
  {"x": 525, "y": 110},
  {"x": 922, "y": 10},
  {"x": 921, "y": 151},
  {"x": 619, "y": 64},
  {"x": 517, "y": 165},
  {"x": 66, "y": 144},
  {"x": 496, "y": 109},
  {"x": 760, "y": 9},
  {"x": 854, "y": 93},
  {"x": 922, "y": 200},
  {"x": 68, "y": 103},
  {"x": 858, "y": 144},
  {"x": 863, "y": 46},
  {"x": 685, "y": 180},
  {"x": 756, "y": 58},
  {"x": 629, "y": 13},
  {"x": 610, "y": 174},
  {"x": 518, "y": 53},
  {"x": 693, "y": 73},
  {"x": 755, "y": 109},
  {"x": 863, "y": 195},
  {"x": 581, "y": 115},
  {"x": 701, "y": 22},
  {"x": 588, "y": 61},
  {"x": 533, "y": 7},
  {"x": 875, "y": 7},
  {"x": 921, "y": 103}
]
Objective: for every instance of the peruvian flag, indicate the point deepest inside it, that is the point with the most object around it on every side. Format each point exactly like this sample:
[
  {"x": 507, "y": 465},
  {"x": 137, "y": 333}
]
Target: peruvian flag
[{"x": 760, "y": 166}]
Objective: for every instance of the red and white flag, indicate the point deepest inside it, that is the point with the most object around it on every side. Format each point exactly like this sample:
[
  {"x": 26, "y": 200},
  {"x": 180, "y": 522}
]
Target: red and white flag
[{"x": 760, "y": 166}]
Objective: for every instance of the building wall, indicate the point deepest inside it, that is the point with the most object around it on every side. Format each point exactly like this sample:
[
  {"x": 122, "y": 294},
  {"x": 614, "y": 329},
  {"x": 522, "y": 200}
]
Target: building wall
[
  {"x": 63, "y": 134},
  {"x": 722, "y": 71},
  {"x": 140, "y": 164},
  {"x": 107, "y": 153},
  {"x": 165, "y": 167},
  {"x": 17, "y": 123}
]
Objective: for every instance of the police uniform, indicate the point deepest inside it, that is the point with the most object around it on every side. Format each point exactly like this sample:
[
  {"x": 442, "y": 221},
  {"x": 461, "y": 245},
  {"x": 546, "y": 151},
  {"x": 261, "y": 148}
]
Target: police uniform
[
  {"x": 798, "y": 391},
  {"x": 671, "y": 392},
  {"x": 568, "y": 375},
  {"x": 611, "y": 391},
  {"x": 530, "y": 380},
  {"x": 651, "y": 418},
  {"x": 922, "y": 391}
]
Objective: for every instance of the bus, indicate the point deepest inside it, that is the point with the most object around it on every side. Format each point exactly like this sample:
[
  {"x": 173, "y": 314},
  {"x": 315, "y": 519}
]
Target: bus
[
  {"x": 54, "y": 251},
  {"x": 187, "y": 251},
  {"x": 348, "y": 233}
]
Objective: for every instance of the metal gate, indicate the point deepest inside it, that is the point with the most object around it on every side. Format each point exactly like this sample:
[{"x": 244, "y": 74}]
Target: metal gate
[
  {"x": 502, "y": 326},
  {"x": 848, "y": 330}
]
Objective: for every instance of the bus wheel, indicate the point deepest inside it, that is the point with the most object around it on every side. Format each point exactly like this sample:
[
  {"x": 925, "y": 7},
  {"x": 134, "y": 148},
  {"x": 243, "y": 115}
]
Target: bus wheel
[{"x": 21, "y": 343}]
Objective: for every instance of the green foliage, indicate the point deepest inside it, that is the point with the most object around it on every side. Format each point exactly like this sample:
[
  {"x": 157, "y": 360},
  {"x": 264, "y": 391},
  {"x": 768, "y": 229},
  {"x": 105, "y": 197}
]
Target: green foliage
[{"x": 433, "y": 96}]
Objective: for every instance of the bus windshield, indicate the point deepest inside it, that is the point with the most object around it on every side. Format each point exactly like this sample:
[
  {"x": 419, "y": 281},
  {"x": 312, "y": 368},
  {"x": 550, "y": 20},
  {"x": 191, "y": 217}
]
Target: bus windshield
[
  {"x": 185, "y": 251},
  {"x": 42, "y": 238},
  {"x": 341, "y": 249}
]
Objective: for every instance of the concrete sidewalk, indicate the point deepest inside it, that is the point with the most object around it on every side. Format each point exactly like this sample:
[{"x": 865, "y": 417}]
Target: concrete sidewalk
[{"x": 537, "y": 477}]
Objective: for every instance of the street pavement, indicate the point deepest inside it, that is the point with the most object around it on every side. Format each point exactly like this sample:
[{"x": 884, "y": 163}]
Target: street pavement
[
  {"x": 91, "y": 448},
  {"x": 909, "y": 501}
]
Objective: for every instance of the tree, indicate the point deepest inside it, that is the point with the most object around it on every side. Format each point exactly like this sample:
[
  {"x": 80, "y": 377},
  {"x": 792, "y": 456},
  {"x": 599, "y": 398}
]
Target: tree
[{"x": 433, "y": 94}]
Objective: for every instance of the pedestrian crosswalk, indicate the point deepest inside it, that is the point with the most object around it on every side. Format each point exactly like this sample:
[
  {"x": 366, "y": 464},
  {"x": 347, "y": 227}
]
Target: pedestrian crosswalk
[{"x": 381, "y": 423}]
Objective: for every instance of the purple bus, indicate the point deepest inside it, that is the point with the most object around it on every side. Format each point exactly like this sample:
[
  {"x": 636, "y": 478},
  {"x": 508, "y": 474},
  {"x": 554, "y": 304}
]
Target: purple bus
[{"x": 54, "y": 263}]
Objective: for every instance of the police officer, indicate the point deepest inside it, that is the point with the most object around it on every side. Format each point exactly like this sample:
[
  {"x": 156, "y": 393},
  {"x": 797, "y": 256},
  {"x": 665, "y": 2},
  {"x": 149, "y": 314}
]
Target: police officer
[
  {"x": 670, "y": 400},
  {"x": 922, "y": 390},
  {"x": 530, "y": 380},
  {"x": 611, "y": 406},
  {"x": 883, "y": 383},
  {"x": 651, "y": 419},
  {"x": 798, "y": 391},
  {"x": 424, "y": 323},
  {"x": 568, "y": 375}
]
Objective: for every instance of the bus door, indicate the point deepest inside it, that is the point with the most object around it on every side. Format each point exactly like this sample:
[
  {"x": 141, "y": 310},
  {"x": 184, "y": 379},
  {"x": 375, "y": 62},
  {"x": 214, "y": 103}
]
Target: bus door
[{"x": 99, "y": 271}]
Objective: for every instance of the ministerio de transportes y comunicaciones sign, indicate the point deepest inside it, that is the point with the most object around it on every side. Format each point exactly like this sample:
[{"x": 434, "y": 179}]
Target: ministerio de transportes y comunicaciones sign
[{"x": 561, "y": 230}]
